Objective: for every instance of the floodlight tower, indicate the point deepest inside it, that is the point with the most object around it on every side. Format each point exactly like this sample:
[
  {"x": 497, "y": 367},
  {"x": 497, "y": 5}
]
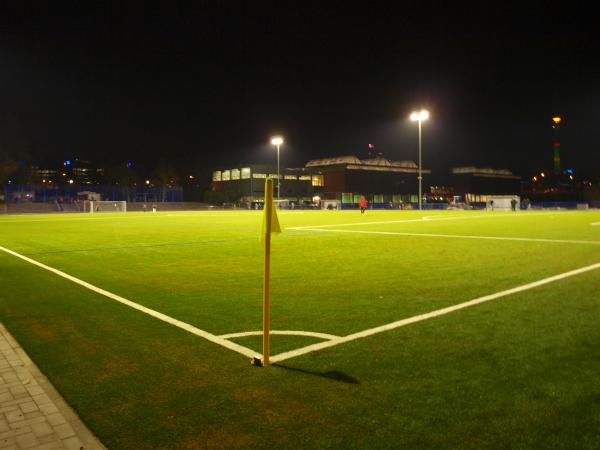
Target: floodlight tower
[
  {"x": 556, "y": 121},
  {"x": 420, "y": 117}
]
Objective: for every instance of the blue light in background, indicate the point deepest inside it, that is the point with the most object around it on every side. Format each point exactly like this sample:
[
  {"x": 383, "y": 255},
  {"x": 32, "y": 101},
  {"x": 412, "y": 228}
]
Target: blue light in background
[
  {"x": 129, "y": 164},
  {"x": 569, "y": 170},
  {"x": 68, "y": 162}
]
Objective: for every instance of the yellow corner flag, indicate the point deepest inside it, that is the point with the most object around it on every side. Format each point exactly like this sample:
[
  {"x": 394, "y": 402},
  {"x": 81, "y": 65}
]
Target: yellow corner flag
[{"x": 270, "y": 225}]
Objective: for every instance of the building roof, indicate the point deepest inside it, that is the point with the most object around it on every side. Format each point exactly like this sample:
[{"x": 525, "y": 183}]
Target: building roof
[
  {"x": 484, "y": 172},
  {"x": 352, "y": 160},
  {"x": 333, "y": 161}
]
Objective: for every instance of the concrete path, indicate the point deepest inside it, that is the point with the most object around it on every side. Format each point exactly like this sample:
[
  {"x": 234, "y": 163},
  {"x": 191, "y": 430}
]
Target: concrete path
[{"x": 33, "y": 415}]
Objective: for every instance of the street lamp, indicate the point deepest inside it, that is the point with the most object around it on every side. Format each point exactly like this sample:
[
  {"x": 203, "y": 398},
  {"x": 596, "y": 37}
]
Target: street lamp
[
  {"x": 420, "y": 117},
  {"x": 277, "y": 141}
]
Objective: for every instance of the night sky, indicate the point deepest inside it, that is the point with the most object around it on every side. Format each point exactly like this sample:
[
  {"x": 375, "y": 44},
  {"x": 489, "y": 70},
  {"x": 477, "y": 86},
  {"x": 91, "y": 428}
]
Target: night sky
[{"x": 205, "y": 88}]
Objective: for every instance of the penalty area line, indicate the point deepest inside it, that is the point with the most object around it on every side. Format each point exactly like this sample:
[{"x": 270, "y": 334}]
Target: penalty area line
[
  {"x": 157, "y": 315},
  {"x": 430, "y": 315}
]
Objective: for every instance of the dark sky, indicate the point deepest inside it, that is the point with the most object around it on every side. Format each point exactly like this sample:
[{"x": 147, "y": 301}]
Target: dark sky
[{"x": 207, "y": 87}]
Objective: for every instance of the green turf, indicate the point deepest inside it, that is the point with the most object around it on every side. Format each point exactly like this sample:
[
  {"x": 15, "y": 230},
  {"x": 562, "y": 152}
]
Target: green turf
[{"x": 518, "y": 372}]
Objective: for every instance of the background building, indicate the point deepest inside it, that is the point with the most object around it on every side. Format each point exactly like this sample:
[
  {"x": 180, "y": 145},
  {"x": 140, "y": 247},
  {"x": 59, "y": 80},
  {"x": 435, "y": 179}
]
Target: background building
[
  {"x": 247, "y": 184},
  {"x": 380, "y": 180},
  {"x": 342, "y": 179},
  {"x": 475, "y": 185}
]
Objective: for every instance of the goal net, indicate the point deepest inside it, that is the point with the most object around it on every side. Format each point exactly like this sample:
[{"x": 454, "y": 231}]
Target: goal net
[
  {"x": 503, "y": 202},
  {"x": 97, "y": 206}
]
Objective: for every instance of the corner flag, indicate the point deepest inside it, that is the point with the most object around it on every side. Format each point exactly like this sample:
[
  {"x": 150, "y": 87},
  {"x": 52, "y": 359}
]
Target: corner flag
[{"x": 270, "y": 225}]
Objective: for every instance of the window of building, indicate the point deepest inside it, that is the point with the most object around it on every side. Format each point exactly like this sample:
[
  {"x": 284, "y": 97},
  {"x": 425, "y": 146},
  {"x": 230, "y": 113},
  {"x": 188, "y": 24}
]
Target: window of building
[
  {"x": 226, "y": 175},
  {"x": 290, "y": 177},
  {"x": 235, "y": 174},
  {"x": 346, "y": 197},
  {"x": 217, "y": 175},
  {"x": 304, "y": 178},
  {"x": 317, "y": 180},
  {"x": 245, "y": 173},
  {"x": 259, "y": 175}
]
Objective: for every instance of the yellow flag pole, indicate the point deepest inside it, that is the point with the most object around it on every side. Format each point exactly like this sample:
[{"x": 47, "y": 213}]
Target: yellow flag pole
[{"x": 267, "y": 275}]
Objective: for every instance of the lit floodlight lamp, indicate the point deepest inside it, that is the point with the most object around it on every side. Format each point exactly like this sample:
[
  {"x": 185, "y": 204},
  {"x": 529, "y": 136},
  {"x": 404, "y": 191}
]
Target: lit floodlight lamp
[
  {"x": 277, "y": 140},
  {"x": 419, "y": 116}
]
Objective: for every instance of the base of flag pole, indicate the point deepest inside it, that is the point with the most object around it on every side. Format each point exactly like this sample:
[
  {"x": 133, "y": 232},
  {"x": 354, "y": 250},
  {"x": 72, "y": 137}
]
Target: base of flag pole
[{"x": 256, "y": 361}]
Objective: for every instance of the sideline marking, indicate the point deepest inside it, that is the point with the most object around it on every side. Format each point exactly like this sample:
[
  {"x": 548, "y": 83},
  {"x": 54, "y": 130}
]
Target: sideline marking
[
  {"x": 282, "y": 332},
  {"x": 68, "y": 217},
  {"x": 430, "y": 315},
  {"x": 200, "y": 214},
  {"x": 184, "y": 326},
  {"x": 495, "y": 238},
  {"x": 595, "y": 223}
]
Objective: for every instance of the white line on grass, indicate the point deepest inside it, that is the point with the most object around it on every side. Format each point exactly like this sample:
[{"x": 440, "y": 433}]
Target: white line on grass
[
  {"x": 210, "y": 216},
  {"x": 430, "y": 315},
  {"x": 280, "y": 332},
  {"x": 184, "y": 326},
  {"x": 420, "y": 219},
  {"x": 131, "y": 215},
  {"x": 457, "y": 236},
  {"x": 595, "y": 223}
]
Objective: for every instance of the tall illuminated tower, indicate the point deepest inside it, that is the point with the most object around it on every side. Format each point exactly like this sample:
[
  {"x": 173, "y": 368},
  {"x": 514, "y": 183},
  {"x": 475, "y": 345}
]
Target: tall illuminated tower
[{"x": 556, "y": 121}]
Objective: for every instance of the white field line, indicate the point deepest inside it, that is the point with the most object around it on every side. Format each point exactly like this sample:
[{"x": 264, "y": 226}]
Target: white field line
[
  {"x": 457, "y": 236},
  {"x": 430, "y": 315},
  {"x": 210, "y": 216},
  {"x": 420, "y": 219},
  {"x": 595, "y": 223},
  {"x": 184, "y": 326},
  {"x": 282, "y": 333},
  {"x": 131, "y": 215}
]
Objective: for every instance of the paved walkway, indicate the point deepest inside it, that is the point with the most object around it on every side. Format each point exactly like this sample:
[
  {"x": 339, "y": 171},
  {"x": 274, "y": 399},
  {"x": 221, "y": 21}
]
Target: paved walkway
[{"x": 33, "y": 415}]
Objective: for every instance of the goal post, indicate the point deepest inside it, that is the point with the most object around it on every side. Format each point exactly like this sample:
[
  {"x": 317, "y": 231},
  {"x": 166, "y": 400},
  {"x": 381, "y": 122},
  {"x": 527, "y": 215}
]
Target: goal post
[{"x": 104, "y": 206}]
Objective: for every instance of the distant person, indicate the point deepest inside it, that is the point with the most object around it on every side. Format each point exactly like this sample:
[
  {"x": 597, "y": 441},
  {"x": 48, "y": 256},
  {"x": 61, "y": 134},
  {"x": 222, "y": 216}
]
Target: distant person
[
  {"x": 144, "y": 207},
  {"x": 513, "y": 204},
  {"x": 363, "y": 204},
  {"x": 492, "y": 204},
  {"x": 154, "y": 207}
]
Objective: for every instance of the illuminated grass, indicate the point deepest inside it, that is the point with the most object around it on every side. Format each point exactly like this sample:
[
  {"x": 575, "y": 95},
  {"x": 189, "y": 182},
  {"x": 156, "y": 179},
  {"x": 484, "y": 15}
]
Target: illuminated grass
[{"x": 520, "y": 372}]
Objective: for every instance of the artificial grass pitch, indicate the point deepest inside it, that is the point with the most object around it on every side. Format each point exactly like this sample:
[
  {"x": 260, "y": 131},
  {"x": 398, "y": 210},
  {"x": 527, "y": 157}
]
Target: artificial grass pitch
[{"x": 520, "y": 371}]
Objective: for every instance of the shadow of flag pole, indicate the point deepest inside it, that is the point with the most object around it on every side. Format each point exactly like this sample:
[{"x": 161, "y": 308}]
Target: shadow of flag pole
[{"x": 270, "y": 225}]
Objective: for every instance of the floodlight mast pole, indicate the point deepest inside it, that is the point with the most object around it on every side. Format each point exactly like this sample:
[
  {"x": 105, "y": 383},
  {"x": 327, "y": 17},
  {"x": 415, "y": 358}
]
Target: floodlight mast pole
[
  {"x": 277, "y": 141},
  {"x": 420, "y": 117},
  {"x": 420, "y": 171},
  {"x": 278, "y": 177}
]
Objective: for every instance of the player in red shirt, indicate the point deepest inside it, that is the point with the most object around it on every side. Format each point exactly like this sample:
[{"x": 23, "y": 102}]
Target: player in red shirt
[{"x": 363, "y": 204}]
